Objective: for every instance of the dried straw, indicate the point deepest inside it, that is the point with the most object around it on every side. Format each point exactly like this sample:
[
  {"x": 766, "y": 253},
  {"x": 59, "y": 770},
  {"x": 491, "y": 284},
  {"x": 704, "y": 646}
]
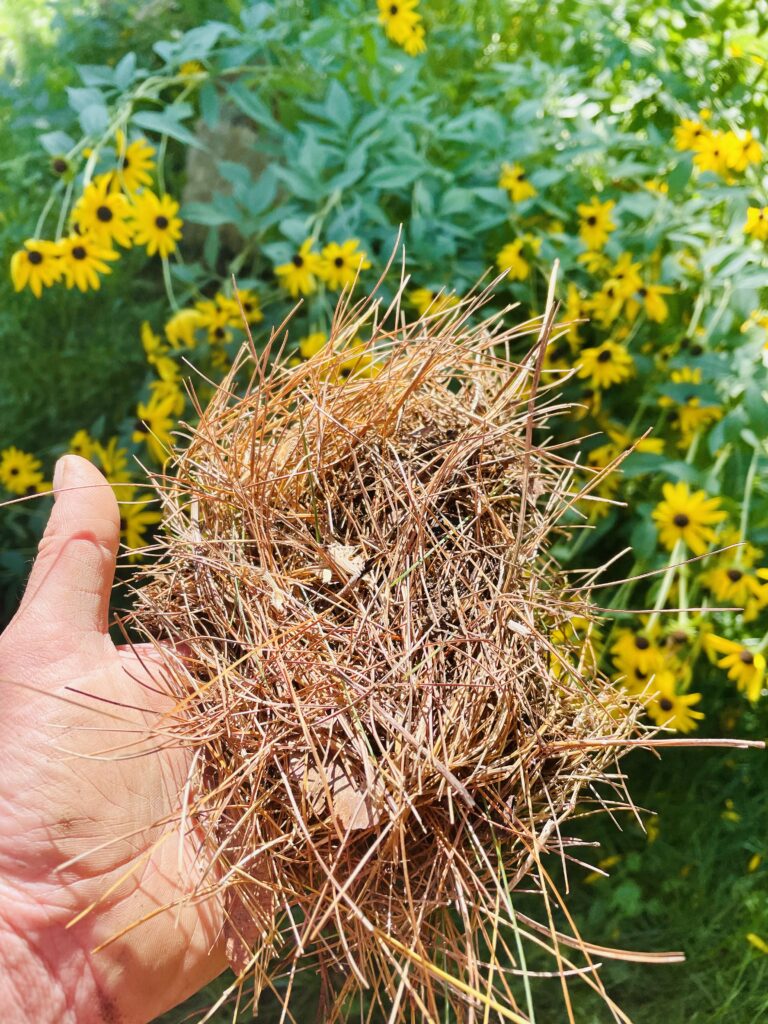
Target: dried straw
[{"x": 387, "y": 740}]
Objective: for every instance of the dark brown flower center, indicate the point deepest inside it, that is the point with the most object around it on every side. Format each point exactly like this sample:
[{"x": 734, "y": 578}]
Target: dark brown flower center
[
  {"x": 681, "y": 520},
  {"x": 592, "y": 220},
  {"x": 104, "y": 214},
  {"x": 60, "y": 165},
  {"x": 35, "y": 258},
  {"x": 14, "y": 471},
  {"x": 666, "y": 704},
  {"x": 339, "y": 261},
  {"x": 393, "y": 9},
  {"x": 642, "y": 643},
  {"x": 298, "y": 261},
  {"x": 734, "y": 575},
  {"x": 605, "y": 356},
  {"x": 161, "y": 222},
  {"x": 747, "y": 657},
  {"x": 219, "y": 333},
  {"x": 79, "y": 253}
]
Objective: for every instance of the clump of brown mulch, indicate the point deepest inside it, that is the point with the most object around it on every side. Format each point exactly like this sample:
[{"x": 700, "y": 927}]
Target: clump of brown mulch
[{"x": 392, "y": 708}]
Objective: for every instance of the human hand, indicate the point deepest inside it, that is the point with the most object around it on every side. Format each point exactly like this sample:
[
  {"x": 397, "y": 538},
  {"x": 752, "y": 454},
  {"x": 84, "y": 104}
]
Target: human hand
[{"x": 84, "y": 788}]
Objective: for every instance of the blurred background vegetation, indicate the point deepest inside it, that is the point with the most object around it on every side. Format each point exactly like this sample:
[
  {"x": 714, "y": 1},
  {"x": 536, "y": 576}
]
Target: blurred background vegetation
[{"x": 313, "y": 124}]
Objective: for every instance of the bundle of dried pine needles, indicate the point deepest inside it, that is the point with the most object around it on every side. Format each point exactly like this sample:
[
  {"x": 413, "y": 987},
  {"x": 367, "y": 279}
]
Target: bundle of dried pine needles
[{"x": 391, "y": 709}]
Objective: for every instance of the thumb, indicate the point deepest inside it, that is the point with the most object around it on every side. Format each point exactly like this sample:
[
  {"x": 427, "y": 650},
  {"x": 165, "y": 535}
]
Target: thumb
[{"x": 71, "y": 579}]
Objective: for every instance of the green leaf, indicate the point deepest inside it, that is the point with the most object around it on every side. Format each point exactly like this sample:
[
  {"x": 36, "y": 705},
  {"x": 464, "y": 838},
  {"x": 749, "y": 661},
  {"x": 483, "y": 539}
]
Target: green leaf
[
  {"x": 206, "y": 213},
  {"x": 252, "y": 106},
  {"x": 79, "y": 99},
  {"x": 209, "y": 104},
  {"x": 57, "y": 143},
  {"x": 392, "y": 177},
  {"x": 166, "y": 122},
  {"x": 125, "y": 71},
  {"x": 93, "y": 119}
]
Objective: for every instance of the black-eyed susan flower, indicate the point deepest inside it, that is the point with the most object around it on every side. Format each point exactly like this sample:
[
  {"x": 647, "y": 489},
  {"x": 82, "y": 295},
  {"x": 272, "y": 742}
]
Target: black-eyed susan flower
[
  {"x": 415, "y": 41},
  {"x": 757, "y": 223},
  {"x": 312, "y": 343},
  {"x": 714, "y": 153},
  {"x": 687, "y": 516},
  {"x": 425, "y": 300},
  {"x": 511, "y": 260},
  {"x": 672, "y": 710},
  {"x": 134, "y": 162},
  {"x": 341, "y": 263},
  {"x": 595, "y": 222},
  {"x": 103, "y": 214},
  {"x": 625, "y": 277},
  {"x": 299, "y": 275},
  {"x": 156, "y": 352},
  {"x": 83, "y": 260},
  {"x": 154, "y": 422},
  {"x": 606, "y": 365},
  {"x": 744, "y": 667},
  {"x": 251, "y": 306},
  {"x": 155, "y": 223},
  {"x": 20, "y": 472},
  {"x": 113, "y": 460},
  {"x": 81, "y": 443},
  {"x": 168, "y": 390},
  {"x": 652, "y": 297},
  {"x": 137, "y": 516},
  {"x": 638, "y": 657},
  {"x": 690, "y": 134},
  {"x": 605, "y": 305},
  {"x": 730, "y": 583},
  {"x": 514, "y": 179},
  {"x": 218, "y": 316},
  {"x": 181, "y": 330},
  {"x": 401, "y": 20},
  {"x": 742, "y": 150},
  {"x": 36, "y": 266}
]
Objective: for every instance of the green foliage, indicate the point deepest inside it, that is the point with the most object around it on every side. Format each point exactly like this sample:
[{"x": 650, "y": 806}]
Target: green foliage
[{"x": 274, "y": 124}]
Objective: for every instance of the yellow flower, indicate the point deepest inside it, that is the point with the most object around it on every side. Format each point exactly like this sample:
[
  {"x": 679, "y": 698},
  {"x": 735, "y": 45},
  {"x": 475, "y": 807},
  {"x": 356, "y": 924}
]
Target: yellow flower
[
  {"x": 757, "y": 223},
  {"x": 714, "y": 153},
  {"x": 426, "y": 300},
  {"x": 154, "y": 422},
  {"x": 670, "y": 709},
  {"x": 299, "y": 276},
  {"x": 342, "y": 263},
  {"x": 744, "y": 667},
  {"x": 82, "y": 260},
  {"x": 134, "y": 162},
  {"x": 656, "y": 308},
  {"x": 595, "y": 223},
  {"x": 754, "y": 940},
  {"x": 36, "y": 266},
  {"x": 638, "y": 659},
  {"x": 156, "y": 351},
  {"x": 180, "y": 330},
  {"x": 606, "y": 365},
  {"x": 168, "y": 390},
  {"x": 625, "y": 277},
  {"x": 510, "y": 259},
  {"x": 690, "y": 134},
  {"x": 687, "y": 516},
  {"x": 414, "y": 42},
  {"x": 312, "y": 343},
  {"x": 399, "y": 18},
  {"x": 114, "y": 463},
  {"x": 251, "y": 306},
  {"x": 156, "y": 224},
  {"x": 743, "y": 151},
  {"x": 515, "y": 180},
  {"x": 103, "y": 214},
  {"x": 594, "y": 262},
  {"x": 20, "y": 472},
  {"x": 216, "y": 316},
  {"x": 576, "y": 308},
  {"x": 606, "y": 304},
  {"x": 728, "y": 582},
  {"x": 82, "y": 444},
  {"x": 135, "y": 519}
]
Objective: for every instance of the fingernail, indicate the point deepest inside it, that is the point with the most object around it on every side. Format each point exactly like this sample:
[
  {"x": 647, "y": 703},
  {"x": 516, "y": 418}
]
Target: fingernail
[{"x": 60, "y": 473}]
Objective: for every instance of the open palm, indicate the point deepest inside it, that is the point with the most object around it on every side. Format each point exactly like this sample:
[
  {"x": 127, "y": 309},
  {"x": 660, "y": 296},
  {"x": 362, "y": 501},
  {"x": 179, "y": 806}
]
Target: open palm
[{"x": 86, "y": 785}]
